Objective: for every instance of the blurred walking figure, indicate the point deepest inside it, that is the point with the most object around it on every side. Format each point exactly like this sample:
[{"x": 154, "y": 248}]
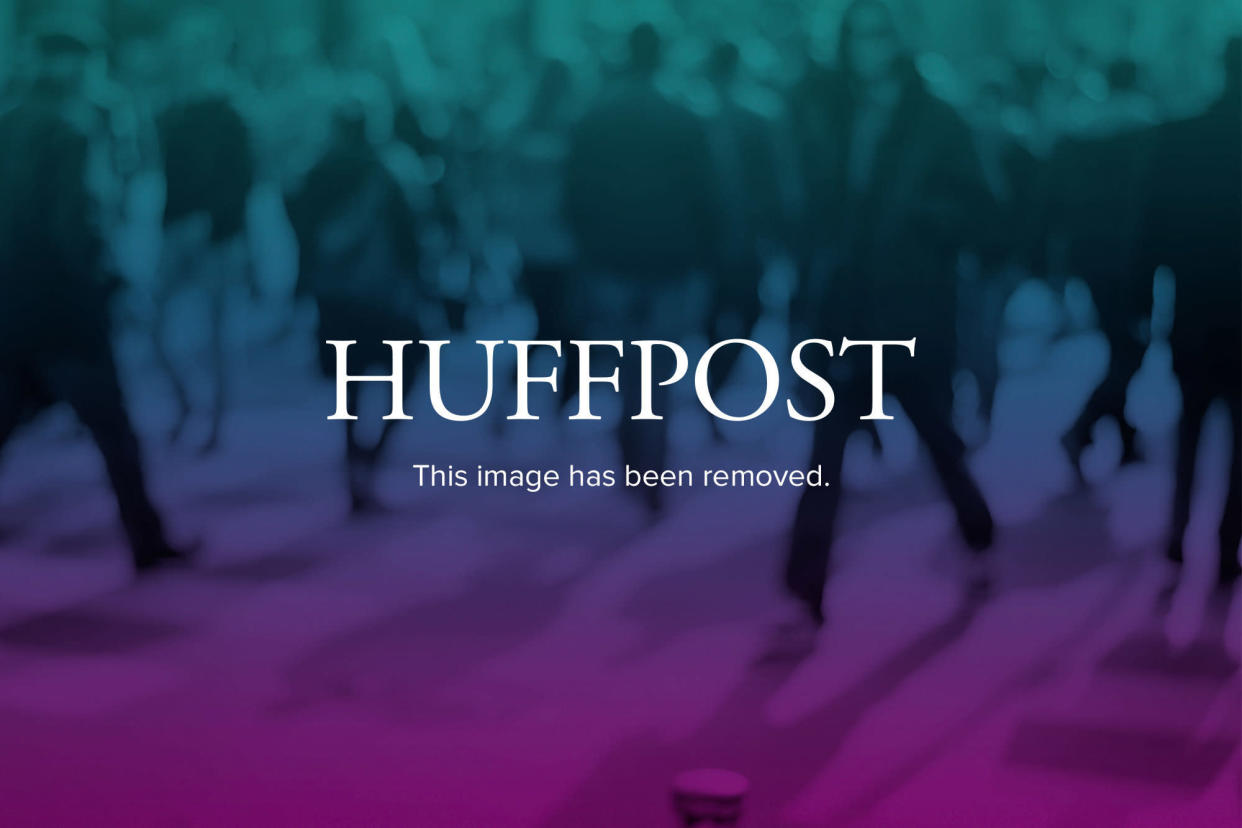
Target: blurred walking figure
[
  {"x": 54, "y": 286},
  {"x": 529, "y": 210},
  {"x": 638, "y": 196},
  {"x": 1096, "y": 198},
  {"x": 359, "y": 262},
  {"x": 909, "y": 197},
  {"x": 750, "y": 205},
  {"x": 209, "y": 173},
  {"x": 1194, "y": 226}
]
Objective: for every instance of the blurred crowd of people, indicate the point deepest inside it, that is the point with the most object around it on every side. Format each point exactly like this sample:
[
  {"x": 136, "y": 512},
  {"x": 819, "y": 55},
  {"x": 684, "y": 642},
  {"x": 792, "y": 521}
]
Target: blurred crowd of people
[{"x": 645, "y": 184}]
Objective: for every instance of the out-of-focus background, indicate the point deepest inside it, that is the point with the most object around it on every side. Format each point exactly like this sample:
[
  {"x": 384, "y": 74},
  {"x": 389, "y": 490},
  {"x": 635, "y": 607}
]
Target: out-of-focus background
[{"x": 283, "y": 627}]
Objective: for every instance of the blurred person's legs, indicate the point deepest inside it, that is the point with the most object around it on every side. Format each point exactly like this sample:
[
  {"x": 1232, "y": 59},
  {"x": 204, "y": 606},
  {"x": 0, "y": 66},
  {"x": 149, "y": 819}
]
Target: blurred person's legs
[
  {"x": 635, "y": 306},
  {"x": 362, "y": 460},
  {"x": 343, "y": 319},
  {"x": 1205, "y": 375},
  {"x": 547, "y": 287},
  {"x": 231, "y": 261},
  {"x": 161, "y": 334},
  {"x": 1196, "y": 399},
  {"x": 929, "y": 408},
  {"x": 644, "y": 443},
  {"x": 1231, "y": 521},
  {"x": 180, "y": 256},
  {"x": 88, "y": 382},
  {"x": 1125, "y": 358},
  {"x": 928, "y": 404},
  {"x": 219, "y": 372},
  {"x": 360, "y": 463},
  {"x": 192, "y": 260},
  {"x": 810, "y": 547}
]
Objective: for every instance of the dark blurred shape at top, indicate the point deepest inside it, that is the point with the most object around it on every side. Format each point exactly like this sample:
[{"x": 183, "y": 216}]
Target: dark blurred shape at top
[
  {"x": 645, "y": 50},
  {"x": 207, "y": 162},
  {"x": 638, "y": 179},
  {"x": 722, "y": 66}
]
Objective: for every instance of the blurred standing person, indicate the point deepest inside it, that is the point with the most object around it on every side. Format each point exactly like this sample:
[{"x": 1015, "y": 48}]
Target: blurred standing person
[
  {"x": 1194, "y": 226},
  {"x": 810, "y": 118},
  {"x": 54, "y": 286},
  {"x": 751, "y": 208},
  {"x": 359, "y": 262},
  {"x": 1096, "y": 180},
  {"x": 907, "y": 197},
  {"x": 639, "y": 202},
  {"x": 209, "y": 174},
  {"x": 528, "y": 208},
  {"x": 1096, "y": 194}
]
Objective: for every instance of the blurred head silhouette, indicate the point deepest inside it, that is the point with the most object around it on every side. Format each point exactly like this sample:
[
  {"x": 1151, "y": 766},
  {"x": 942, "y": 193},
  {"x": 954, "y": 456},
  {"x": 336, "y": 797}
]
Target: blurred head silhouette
[
  {"x": 723, "y": 64},
  {"x": 645, "y": 50},
  {"x": 870, "y": 49},
  {"x": 64, "y": 47}
]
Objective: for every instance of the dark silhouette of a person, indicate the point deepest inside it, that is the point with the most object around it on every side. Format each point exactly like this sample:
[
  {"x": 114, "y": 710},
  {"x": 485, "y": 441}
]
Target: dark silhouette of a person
[
  {"x": 359, "y": 262},
  {"x": 638, "y": 201},
  {"x": 1096, "y": 194},
  {"x": 908, "y": 196},
  {"x": 54, "y": 285},
  {"x": 209, "y": 171},
  {"x": 751, "y": 209},
  {"x": 1194, "y": 226}
]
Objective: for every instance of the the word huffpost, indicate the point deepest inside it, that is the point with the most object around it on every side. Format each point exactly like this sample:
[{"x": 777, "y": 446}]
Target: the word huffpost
[{"x": 590, "y": 356}]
